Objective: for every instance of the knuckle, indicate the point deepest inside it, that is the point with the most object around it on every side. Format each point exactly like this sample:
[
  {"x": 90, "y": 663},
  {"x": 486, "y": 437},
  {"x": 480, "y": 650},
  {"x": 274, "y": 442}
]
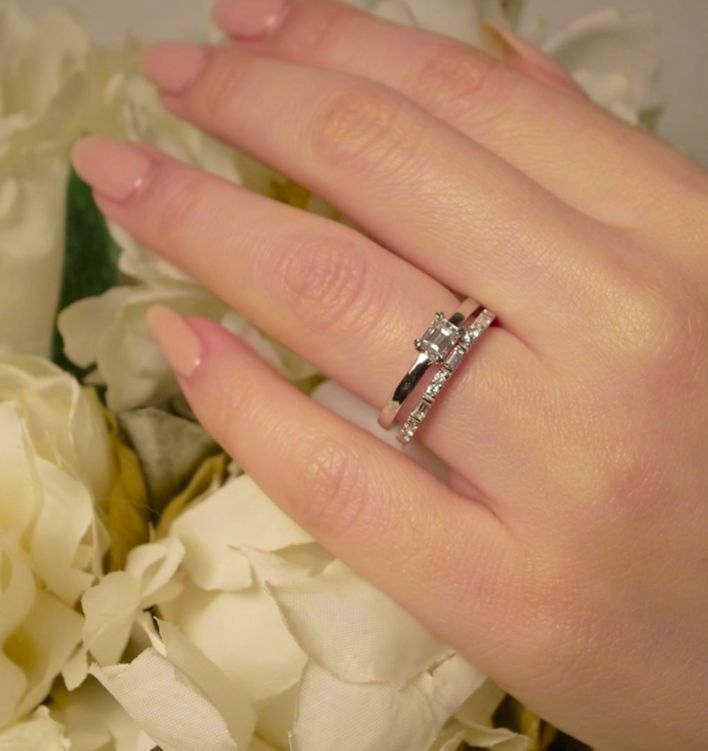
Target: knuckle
[
  {"x": 179, "y": 199},
  {"x": 217, "y": 89},
  {"x": 331, "y": 492},
  {"x": 325, "y": 282},
  {"x": 312, "y": 32},
  {"x": 658, "y": 330},
  {"x": 364, "y": 127},
  {"x": 456, "y": 84}
]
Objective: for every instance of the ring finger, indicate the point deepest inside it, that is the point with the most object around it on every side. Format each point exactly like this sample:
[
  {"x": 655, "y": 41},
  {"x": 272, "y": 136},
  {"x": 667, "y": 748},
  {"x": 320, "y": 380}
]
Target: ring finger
[
  {"x": 320, "y": 287},
  {"x": 425, "y": 190}
]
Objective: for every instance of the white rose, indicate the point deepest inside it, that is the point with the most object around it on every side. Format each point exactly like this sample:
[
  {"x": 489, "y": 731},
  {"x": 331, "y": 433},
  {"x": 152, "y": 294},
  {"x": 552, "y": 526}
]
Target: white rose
[{"x": 55, "y": 467}]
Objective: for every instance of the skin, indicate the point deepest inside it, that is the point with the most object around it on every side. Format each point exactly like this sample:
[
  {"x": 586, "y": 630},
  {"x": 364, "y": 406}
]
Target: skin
[{"x": 568, "y": 557}]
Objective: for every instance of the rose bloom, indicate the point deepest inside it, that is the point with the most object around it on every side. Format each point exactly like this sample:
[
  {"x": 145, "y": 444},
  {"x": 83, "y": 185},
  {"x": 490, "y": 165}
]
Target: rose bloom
[{"x": 55, "y": 466}]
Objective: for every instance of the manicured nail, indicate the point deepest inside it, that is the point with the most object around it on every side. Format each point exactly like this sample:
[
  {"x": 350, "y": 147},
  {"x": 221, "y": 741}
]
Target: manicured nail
[
  {"x": 250, "y": 19},
  {"x": 504, "y": 44},
  {"x": 177, "y": 340},
  {"x": 173, "y": 66},
  {"x": 115, "y": 169},
  {"x": 511, "y": 48}
]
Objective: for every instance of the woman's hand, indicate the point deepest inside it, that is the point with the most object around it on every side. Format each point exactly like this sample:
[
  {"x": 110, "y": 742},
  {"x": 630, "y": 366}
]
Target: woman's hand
[{"x": 568, "y": 558}]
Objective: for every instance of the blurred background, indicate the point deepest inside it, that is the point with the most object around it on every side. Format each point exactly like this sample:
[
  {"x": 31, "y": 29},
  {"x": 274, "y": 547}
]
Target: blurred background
[{"x": 682, "y": 27}]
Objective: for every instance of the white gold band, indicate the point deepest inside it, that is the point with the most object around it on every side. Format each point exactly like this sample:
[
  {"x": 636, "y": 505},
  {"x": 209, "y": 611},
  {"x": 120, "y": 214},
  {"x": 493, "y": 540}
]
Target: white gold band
[{"x": 433, "y": 347}]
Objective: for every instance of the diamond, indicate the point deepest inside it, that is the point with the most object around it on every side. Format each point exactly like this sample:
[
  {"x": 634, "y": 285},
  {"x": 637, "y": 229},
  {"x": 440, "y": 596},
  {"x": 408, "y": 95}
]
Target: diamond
[
  {"x": 410, "y": 426},
  {"x": 439, "y": 339},
  {"x": 437, "y": 382},
  {"x": 421, "y": 411},
  {"x": 455, "y": 357}
]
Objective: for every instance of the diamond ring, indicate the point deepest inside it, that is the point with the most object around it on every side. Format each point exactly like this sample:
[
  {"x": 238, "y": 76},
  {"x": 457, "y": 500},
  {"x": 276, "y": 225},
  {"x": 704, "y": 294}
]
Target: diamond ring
[
  {"x": 440, "y": 378},
  {"x": 436, "y": 344}
]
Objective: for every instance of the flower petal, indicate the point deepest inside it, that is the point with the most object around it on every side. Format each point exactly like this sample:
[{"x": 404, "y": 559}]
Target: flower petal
[
  {"x": 334, "y": 714},
  {"x": 241, "y": 632},
  {"x": 355, "y": 631},
  {"x": 167, "y": 704},
  {"x": 38, "y": 733}
]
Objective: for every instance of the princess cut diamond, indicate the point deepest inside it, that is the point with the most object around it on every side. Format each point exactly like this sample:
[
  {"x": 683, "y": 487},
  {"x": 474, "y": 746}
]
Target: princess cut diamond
[{"x": 439, "y": 339}]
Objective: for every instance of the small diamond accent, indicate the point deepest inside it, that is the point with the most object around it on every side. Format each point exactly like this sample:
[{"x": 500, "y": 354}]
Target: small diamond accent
[
  {"x": 437, "y": 383},
  {"x": 455, "y": 357},
  {"x": 410, "y": 426},
  {"x": 421, "y": 411}
]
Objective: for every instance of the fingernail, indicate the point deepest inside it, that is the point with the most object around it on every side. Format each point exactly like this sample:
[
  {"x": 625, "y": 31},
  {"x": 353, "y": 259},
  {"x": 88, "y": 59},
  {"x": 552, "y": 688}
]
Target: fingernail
[
  {"x": 511, "y": 48},
  {"x": 173, "y": 66},
  {"x": 177, "y": 340},
  {"x": 250, "y": 19},
  {"x": 504, "y": 44},
  {"x": 115, "y": 169}
]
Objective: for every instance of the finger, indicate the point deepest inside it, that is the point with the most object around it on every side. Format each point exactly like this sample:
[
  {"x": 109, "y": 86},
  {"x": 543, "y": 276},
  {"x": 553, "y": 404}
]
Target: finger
[
  {"x": 343, "y": 303},
  {"x": 598, "y": 164},
  {"x": 368, "y": 504},
  {"x": 448, "y": 205}
]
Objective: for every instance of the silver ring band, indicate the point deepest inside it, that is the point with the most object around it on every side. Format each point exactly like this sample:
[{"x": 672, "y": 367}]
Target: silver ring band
[
  {"x": 435, "y": 344},
  {"x": 443, "y": 374}
]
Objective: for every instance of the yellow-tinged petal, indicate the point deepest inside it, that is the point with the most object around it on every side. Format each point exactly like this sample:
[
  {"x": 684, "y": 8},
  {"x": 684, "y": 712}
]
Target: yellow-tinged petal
[
  {"x": 128, "y": 513},
  {"x": 210, "y": 471}
]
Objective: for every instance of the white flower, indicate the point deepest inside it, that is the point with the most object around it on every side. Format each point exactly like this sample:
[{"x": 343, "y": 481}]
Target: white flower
[
  {"x": 93, "y": 721},
  {"x": 32, "y": 203},
  {"x": 37, "y": 733},
  {"x": 260, "y": 612},
  {"x": 40, "y": 58},
  {"x": 613, "y": 57},
  {"x": 55, "y": 86},
  {"x": 114, "y": 606},
  {"x": 55, "y": 467},
  {"x": 111, "y": 330}
]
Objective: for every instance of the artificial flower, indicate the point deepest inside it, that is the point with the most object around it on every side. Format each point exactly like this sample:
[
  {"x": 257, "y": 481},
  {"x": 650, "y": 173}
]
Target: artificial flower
[
  {"x": 614, "y": 58},
  {"x": 55, "y": 470}
]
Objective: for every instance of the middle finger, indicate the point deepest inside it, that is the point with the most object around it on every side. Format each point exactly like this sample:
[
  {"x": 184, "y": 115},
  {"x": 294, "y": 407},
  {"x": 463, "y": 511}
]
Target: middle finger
[
  {"x": 323, "y": 289},
  {"x": 428, "y": 192}
]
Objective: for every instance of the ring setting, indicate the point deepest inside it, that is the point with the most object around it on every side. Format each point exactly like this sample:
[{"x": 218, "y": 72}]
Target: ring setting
[
  {"x": 451, "y": 362},
  {"x": 443, "y": 347}
]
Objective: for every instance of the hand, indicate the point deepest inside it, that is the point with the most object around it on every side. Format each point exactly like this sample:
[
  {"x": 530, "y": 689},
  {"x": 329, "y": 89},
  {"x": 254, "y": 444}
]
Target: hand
[{"x": 568, "y": 557}]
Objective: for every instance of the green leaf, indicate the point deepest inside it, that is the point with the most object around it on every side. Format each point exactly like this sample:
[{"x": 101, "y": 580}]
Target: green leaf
[{"x": 90, "y": 260}]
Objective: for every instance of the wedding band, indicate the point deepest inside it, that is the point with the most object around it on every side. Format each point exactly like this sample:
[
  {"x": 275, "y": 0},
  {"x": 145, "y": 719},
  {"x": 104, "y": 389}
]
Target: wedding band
[
  {"x": 433, "y": 347},
  {"x": 441, "y": 377}
]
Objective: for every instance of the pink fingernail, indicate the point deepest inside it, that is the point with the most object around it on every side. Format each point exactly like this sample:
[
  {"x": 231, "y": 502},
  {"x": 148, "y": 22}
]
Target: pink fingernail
[
  {"x": 173, "y": 66},
  {"x": 116, "y": 170},
  {"x": 177, "y": 340},
  {"x": 250, "y": 19},
  {"x": 507, "y": 46}
]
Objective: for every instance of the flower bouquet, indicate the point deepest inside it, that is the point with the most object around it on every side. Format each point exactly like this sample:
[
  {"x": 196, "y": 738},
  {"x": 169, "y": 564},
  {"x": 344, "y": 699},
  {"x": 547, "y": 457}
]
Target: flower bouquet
[{"x": 151, "y": 594}]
